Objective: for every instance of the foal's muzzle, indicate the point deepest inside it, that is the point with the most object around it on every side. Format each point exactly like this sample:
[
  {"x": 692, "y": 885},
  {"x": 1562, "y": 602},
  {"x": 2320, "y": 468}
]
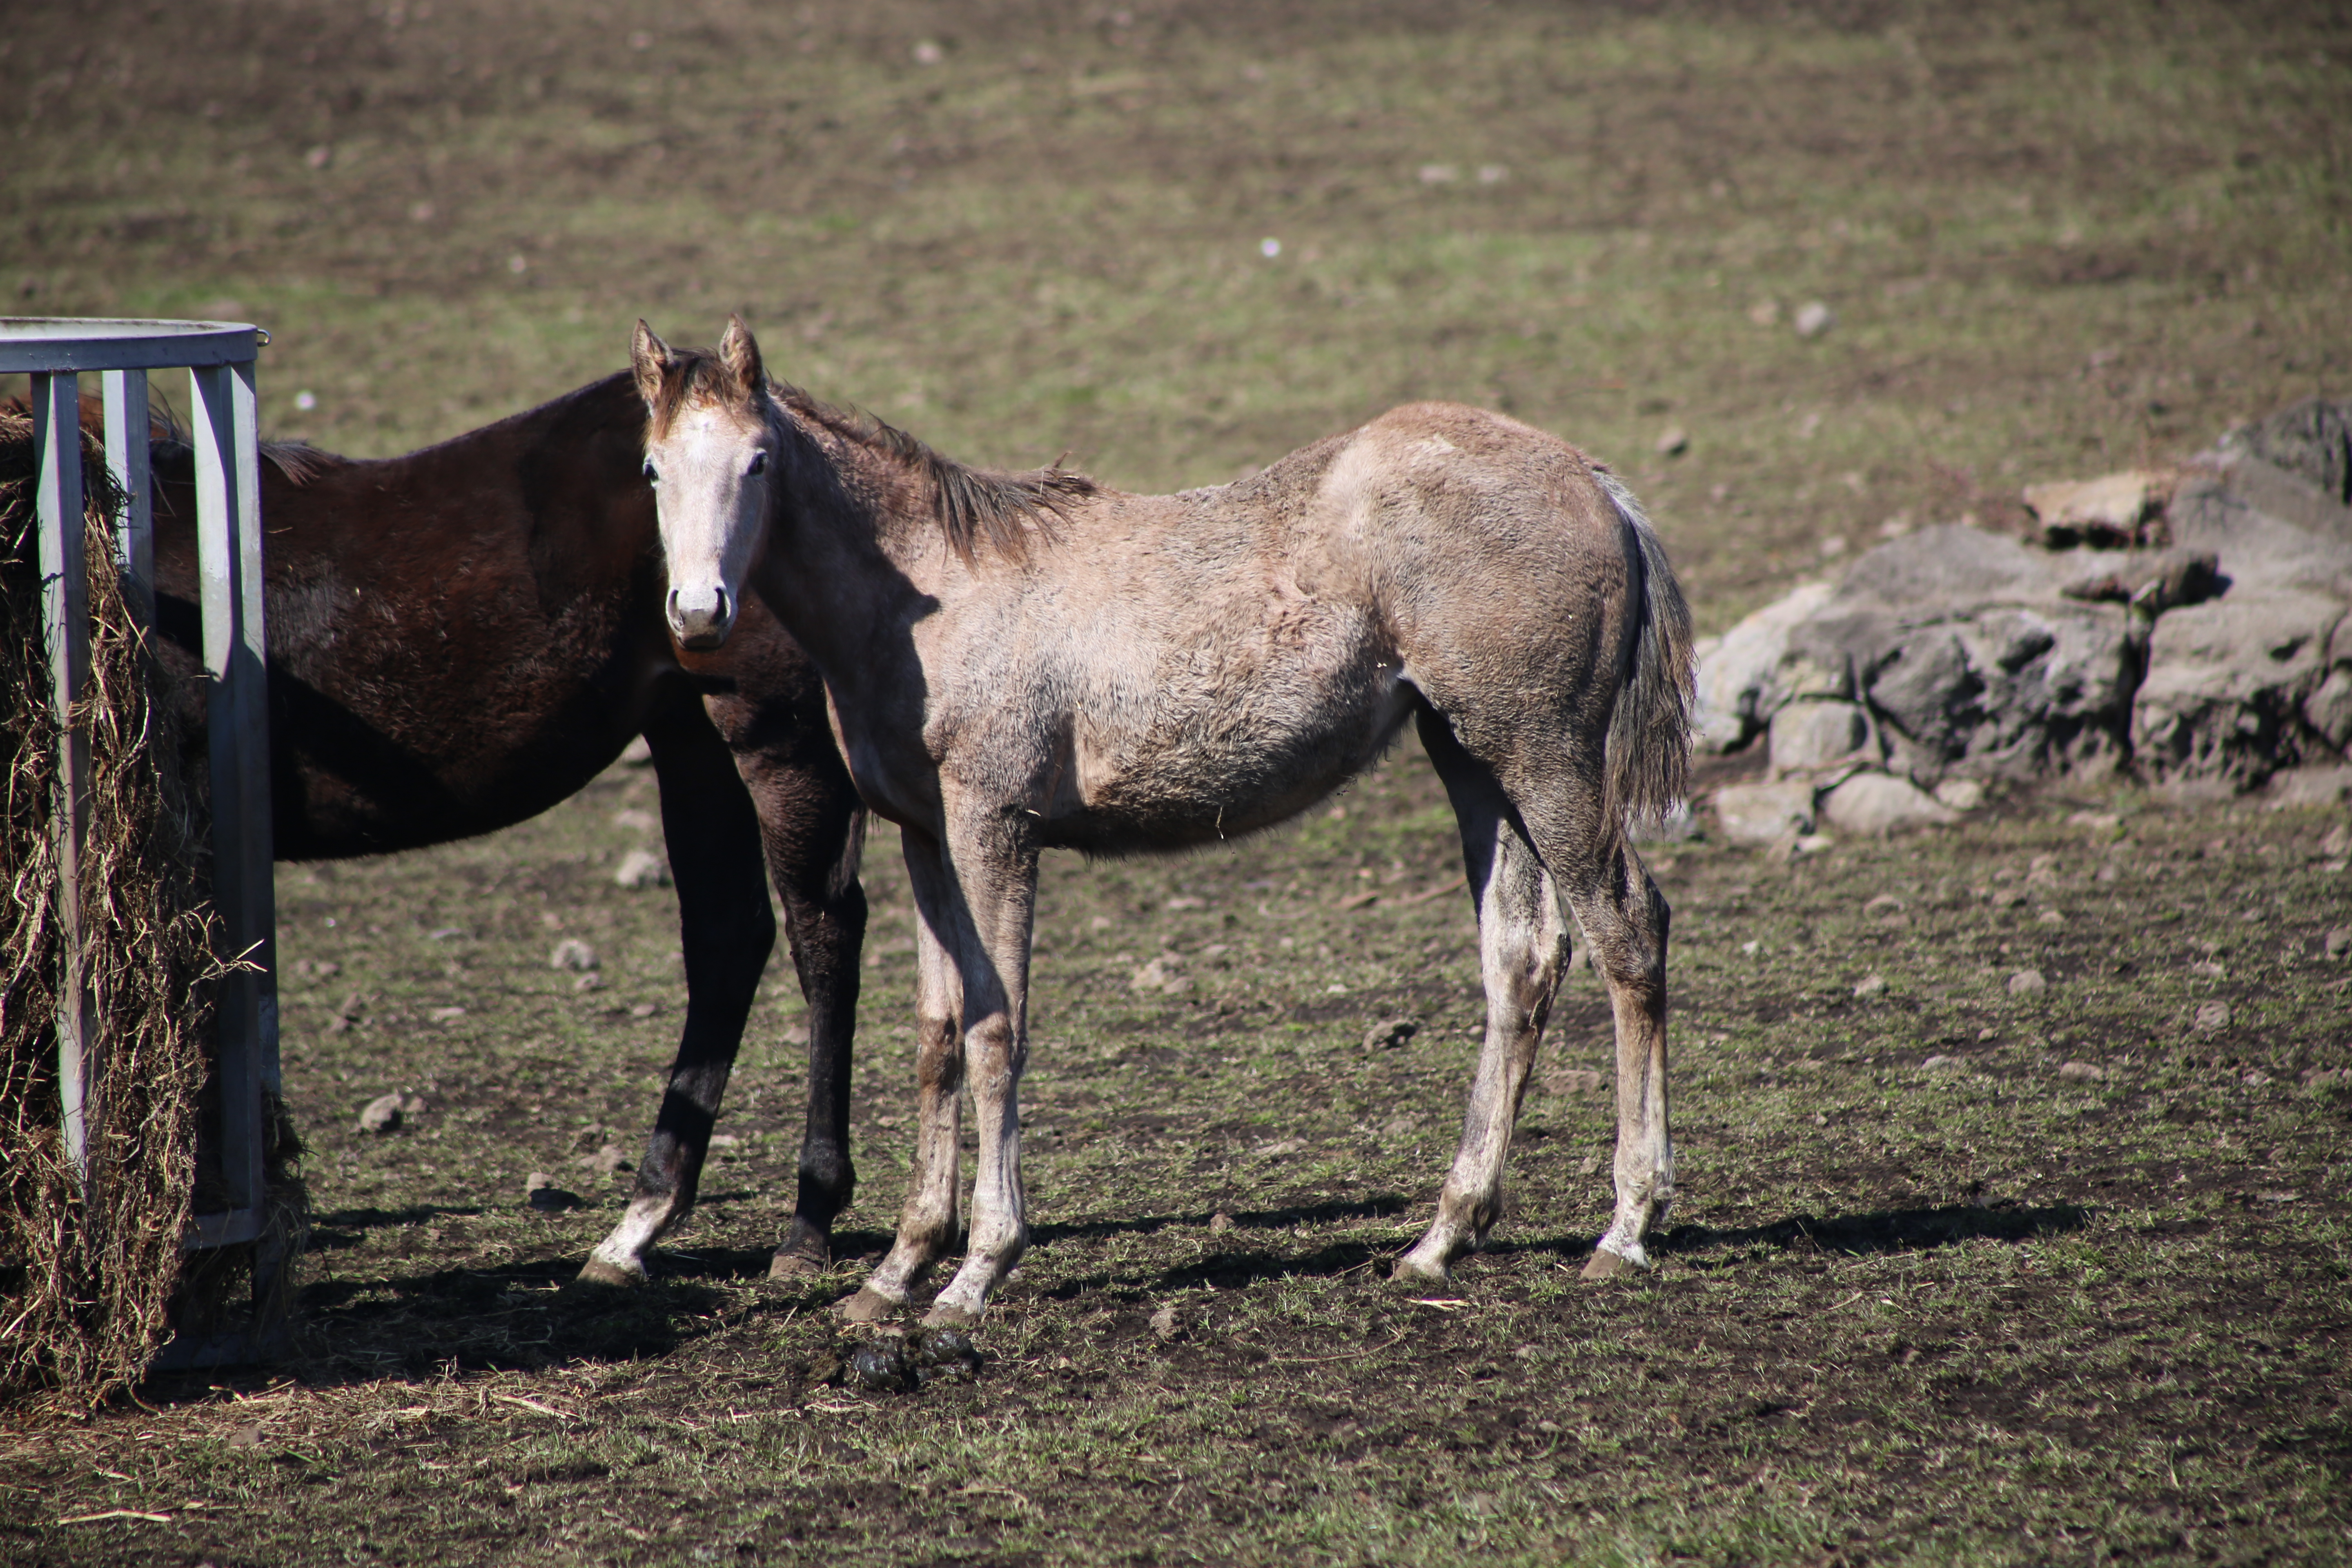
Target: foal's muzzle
[{"x": 700, "y": 626}]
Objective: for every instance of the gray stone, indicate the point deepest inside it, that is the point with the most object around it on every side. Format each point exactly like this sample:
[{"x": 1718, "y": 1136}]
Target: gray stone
[
  {"x": 1740, "y": 684},
  {"x": 2081, "y": 1072},
  {"x": 2310, "y": 786},
  {"x": 2327, "y": 711},
  {"x": 1881, "y": 802},
  {"x": 2337, "y": 941},
  {"x": 1870, "y": 985},
  {"x": 1807, "y": 737},
  {"x": 380, "y": 1114},
  {"x": 1961, "y": 795},
  {"x": 2212, "y": 1017},
  {"x": 2227, "y": 681},
  {"x": 606, "y": 1161},
  {"x": 2311, "y": 440},
  {"x": 1813, "y": 318},
  {"x": 641, "y": 869},
  {"x": 2026, "y": 982},
  {"x": 2113, "y": 509},
  {"x": 1390, "y": 1033},
  {"x": 573, "y": 955},
  {"x": 1764, "y": 812}
]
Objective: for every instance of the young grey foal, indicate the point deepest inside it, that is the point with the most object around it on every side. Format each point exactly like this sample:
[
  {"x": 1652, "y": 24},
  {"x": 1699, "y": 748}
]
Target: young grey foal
[{"x": 1024, "y": 662}]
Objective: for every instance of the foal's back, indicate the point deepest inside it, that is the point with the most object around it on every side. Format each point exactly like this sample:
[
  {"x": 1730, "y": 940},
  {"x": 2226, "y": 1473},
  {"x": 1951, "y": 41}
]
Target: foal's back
[{"x": 1192, "y": 665}]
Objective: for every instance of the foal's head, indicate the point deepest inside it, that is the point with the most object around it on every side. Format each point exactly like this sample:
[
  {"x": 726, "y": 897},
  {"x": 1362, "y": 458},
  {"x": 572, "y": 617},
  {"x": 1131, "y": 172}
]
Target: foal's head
[{"x": 708, "y": 449}]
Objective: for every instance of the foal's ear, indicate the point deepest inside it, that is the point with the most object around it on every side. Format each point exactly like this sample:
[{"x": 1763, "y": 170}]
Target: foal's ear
[
  {"x": 740, "y": 355},
  {"x": 648, "y": 357}
]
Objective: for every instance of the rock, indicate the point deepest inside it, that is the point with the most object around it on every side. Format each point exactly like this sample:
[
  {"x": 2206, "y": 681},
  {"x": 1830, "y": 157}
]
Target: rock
[
  {"x": 2151, "y": 582},
  {"x": 380, "y": 1114},
  {"x": 1282, "y": 1149},
  {"x": 2206, "y": 969},
  {"x": 2336, "y": 842},
  {"x": 1870, "y": 985},
  {"x": 2327, "y": 711},
  {"x": 2310, "y": 786},
  {"x": 642, "y": 869},
  {"x": 2311, "y": 441},
  {"x": 412, "y": 1105},
  {"x": 591, "y": 981},
  {"x": 2226, "y": 683},
  {"x": 1390, "y": 1033},
  {"x": 2081, "y": 1072},
  {"x": 1162, "y": 976},
  {"x": 1764, "y": 812},
  {"x": 1673, "y": 441},
  {"x": 1810, "y": 737},
  {"x": 1220, "y": 1222},
  {"x": 2212, "y": 1017},
  {"x": 606, "y": 1161},
  {"x": 1961, "y": 795},
  {"x": 1881, "y": 802},
  {"x": 572, "y": 954},
  {"x": 2026, "y": 982},
  {"x": 1163, "y": 1323},
  {"x": 2106, "y": 512},
  {"x": 1939, "y": 1063},
  {"x": 2337, "y": 941},
  {"x": 1813, "y": 318},
  {"x": 539, "y": 1190},
  {"x": 1741, "y": 680}
]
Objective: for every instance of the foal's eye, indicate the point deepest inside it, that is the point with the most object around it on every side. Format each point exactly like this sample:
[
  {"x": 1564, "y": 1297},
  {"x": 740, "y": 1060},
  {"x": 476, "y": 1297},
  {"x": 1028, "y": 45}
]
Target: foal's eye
[
  {"x": 759, "y": 462},
  {"x": 651, "y": 478}
]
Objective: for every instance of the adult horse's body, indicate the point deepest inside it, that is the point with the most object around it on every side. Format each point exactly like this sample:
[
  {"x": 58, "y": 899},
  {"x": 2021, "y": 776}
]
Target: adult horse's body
[
  {"x": 1022, "y": 662},
  {"x": 462, "y": 636}
]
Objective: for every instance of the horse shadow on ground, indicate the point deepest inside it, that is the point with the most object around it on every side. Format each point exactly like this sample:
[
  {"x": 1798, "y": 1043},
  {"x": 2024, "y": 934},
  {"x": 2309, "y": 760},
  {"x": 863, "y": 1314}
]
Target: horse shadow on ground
[{"x": 530, "y": 1315}]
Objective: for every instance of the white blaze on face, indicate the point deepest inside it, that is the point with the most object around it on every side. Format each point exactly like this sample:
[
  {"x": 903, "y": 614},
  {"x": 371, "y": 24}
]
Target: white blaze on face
[{"x": 710, "y": 490}]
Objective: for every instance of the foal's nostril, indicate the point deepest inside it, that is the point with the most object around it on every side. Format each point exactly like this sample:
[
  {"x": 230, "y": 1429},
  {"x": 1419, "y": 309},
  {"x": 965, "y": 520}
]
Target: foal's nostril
[
  {"x": 719, "y": 615},
  {"x": 670, "y": 606}
]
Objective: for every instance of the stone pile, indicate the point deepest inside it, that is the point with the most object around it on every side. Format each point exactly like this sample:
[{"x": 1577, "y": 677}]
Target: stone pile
[{"x": 2193, "y": 627}]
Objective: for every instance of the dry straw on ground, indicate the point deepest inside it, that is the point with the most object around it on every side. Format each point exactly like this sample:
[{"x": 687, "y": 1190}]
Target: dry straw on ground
[{"x": 86, "y": 1275}]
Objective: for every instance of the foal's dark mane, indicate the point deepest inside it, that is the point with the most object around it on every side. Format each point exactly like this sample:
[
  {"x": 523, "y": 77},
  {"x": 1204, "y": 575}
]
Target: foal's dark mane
[{"x": 974, "y": 506}]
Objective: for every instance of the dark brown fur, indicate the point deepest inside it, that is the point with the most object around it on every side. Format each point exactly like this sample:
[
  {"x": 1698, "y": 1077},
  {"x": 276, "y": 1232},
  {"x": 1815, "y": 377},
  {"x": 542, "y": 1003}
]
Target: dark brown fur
[{"x": 465, "y": 636}]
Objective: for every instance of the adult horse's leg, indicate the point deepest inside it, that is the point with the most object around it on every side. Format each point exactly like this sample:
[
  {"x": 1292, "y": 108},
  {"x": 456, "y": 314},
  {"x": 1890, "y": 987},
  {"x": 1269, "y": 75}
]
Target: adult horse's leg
[
  {"x": 727, "y": 929},
  {"x": 927, "y": 1225},
  {"x": 1523, "y": 945},
  {"x": 814, "y": 830}
]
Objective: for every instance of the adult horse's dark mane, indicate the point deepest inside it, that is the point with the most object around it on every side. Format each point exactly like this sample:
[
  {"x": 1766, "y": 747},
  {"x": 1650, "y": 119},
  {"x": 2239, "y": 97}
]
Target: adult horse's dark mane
[{"x": 974, "y": 506}]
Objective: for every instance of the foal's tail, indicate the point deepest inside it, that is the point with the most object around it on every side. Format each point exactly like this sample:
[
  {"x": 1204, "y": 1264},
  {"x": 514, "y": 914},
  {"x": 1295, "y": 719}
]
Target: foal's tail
[{"x": 1649, "y": 728}]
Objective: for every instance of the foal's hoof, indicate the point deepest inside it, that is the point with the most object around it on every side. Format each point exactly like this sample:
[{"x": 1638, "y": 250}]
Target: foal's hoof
[
  {"x": 1607, "y": 1265},
  {"x": 597, "y": 1271},
  {"x": 868, "y": 1306},
  {"x": 793, "y": 1265},
  {"x": 1412, "y": 1274},
  {"x": 942, "y": 1316}
]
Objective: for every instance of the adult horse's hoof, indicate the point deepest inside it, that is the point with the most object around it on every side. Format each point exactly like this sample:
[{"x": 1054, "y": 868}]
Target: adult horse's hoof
[
  {"x": 789, "y": 1263},
  {"x": 597, "y": 1271},
  {"x": 1607, "y": 1265},
  {"x": 868, "y": 1306},
  {"x": 942, "y": 1316}
]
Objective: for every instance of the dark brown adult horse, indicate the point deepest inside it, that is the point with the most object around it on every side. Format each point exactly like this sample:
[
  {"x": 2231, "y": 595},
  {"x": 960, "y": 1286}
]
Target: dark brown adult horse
[
  {"x": 462, "y": 636},
  {"x": 1025, "y": 662}
]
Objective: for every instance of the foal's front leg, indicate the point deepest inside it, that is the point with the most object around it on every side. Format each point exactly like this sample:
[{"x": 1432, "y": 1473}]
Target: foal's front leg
[
  {"x": 989, "y": 901},
  {"x": 926, "y": 1224}
]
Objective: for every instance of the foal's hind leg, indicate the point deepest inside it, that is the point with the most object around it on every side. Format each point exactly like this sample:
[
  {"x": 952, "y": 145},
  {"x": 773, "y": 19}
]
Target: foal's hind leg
[
  {"x": 927, "y": 1225},
  {"x": 1523, "y": 946},
  {"x": 1625, "y": 922}
]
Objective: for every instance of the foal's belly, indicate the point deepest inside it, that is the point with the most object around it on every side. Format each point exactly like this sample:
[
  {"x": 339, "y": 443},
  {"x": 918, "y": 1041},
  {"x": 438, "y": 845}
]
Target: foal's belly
[{"x": 1199, "y": 777}]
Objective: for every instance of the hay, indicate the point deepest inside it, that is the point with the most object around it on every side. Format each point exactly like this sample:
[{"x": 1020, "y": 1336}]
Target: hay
[{"x": 88, "y": 1276}]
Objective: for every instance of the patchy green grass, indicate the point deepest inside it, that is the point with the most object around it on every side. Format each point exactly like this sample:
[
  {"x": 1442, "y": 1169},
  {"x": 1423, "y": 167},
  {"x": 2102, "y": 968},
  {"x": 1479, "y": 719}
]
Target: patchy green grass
[{"x": 2001, "y": 1308}]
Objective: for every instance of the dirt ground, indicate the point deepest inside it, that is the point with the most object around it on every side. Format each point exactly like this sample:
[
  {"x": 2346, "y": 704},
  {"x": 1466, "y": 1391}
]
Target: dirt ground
[{"x": 1960, "y": 1271}]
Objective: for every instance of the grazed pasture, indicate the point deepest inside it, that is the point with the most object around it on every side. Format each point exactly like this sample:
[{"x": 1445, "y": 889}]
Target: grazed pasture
[{"x": 2076, "y": 1292}]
